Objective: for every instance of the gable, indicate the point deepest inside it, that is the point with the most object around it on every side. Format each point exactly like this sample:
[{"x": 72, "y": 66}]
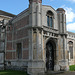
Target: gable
[{"x": 45, "y": 9}]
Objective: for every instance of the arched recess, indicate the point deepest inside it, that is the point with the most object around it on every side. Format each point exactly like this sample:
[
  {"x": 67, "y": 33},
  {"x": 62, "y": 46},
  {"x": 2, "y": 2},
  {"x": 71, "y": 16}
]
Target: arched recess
[
  {"x": 70, "y": 49},
  {"x": 50, "y": 54}
]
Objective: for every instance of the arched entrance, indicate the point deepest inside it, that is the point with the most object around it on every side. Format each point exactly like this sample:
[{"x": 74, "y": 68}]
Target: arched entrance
[{"x": 50, "y": 55}]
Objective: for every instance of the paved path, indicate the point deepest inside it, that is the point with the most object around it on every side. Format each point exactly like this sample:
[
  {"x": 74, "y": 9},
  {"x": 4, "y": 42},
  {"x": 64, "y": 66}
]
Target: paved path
[
  {"x": 61, "y": 73},
  {"x": 66, "y": 73}
]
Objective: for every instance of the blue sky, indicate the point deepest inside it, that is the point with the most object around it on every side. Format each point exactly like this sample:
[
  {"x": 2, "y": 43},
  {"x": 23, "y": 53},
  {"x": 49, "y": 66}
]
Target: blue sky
[{"x": 17, "y": 6}]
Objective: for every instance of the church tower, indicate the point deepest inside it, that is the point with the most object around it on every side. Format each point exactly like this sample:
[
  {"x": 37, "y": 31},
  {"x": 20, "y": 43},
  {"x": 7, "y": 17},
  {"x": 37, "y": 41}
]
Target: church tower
[{"x": 36, "y": 64}]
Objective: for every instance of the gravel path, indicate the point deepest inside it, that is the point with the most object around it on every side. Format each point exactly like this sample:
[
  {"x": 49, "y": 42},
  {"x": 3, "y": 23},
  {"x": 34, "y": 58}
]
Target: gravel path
[{"x": 66, "y": 73}]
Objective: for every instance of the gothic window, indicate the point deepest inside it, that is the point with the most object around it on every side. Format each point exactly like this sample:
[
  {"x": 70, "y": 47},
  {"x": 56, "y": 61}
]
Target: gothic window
[
  {"x": 19, "y": 50},
  {"x": 71, "y": 49},
  {"x": 50, "y": 19}
]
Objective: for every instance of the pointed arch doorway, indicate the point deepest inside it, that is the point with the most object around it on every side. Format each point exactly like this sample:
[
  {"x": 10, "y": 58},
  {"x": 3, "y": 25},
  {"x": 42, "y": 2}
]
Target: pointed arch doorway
[{"x": 50, "y": 54}]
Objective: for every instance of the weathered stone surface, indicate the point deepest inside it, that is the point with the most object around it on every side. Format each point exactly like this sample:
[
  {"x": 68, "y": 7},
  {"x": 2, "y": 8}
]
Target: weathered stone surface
[
  {"x": 30, "y": 29},
  {"x": 57, "y": 68}
]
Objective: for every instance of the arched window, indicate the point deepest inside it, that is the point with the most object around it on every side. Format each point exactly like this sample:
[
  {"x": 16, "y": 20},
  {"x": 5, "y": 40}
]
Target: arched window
[
  {"x": 71, "y": 49},
  {"x": 50, "y": 19}
]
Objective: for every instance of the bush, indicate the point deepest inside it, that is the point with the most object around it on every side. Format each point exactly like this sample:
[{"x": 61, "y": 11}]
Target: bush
[{"x": 72, "y": 68}]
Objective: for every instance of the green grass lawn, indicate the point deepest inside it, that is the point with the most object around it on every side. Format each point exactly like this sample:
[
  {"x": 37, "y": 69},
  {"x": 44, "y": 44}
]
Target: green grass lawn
[{"x": 9, "y": 72}]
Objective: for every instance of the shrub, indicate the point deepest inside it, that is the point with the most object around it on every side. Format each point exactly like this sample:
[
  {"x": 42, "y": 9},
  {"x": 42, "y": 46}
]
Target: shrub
[{"x": 72, "y": 68}]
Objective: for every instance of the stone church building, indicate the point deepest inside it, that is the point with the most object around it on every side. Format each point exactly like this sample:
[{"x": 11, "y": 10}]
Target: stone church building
[{"x": 36, "y": 40}]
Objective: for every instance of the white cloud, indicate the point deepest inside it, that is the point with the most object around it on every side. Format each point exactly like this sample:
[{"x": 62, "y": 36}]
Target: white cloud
[
  {"x": 70, "y": 15},
  {"x": 71, "y": 27},
  {"x": 71, "y": 0}
]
